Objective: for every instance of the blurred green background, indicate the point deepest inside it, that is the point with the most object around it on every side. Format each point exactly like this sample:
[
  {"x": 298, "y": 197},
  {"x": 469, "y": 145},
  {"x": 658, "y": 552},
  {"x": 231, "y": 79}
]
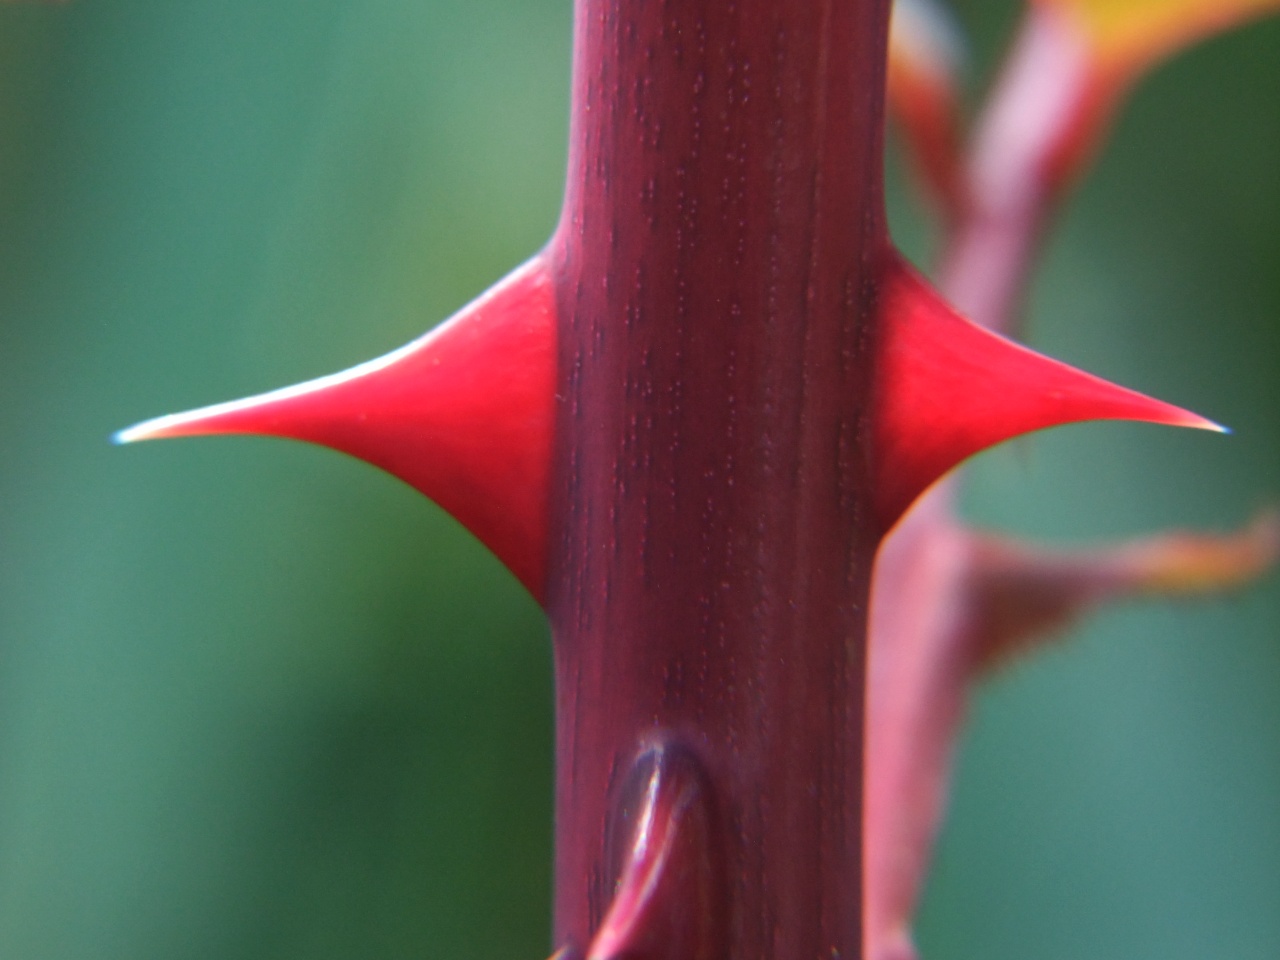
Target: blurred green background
[{"x": 260, "y": 701}]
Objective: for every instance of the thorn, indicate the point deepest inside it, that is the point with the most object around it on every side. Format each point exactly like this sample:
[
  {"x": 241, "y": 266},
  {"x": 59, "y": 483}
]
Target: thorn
[
  {"x": 667, "y": 901},
  {"x": 946, "y": 389},
  {"x": 462, "y": 414}
]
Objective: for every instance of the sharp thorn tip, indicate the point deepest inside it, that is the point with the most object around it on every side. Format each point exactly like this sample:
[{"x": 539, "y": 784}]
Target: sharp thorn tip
[
  {"x": 139, "y": 431},
  {"x": 1194, "y": 421}
]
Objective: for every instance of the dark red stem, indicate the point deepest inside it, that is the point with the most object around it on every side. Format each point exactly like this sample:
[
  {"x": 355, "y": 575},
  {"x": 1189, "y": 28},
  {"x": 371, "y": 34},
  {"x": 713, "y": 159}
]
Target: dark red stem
[{"x": 716, "y": 272}]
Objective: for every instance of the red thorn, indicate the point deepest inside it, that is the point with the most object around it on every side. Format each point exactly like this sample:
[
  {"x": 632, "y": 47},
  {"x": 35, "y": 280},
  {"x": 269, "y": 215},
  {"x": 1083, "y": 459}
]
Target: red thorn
[
  {"x": 946, "y": 389},
  {"x": 462, "y": 414},
  {"x": 667, "y": 899}
]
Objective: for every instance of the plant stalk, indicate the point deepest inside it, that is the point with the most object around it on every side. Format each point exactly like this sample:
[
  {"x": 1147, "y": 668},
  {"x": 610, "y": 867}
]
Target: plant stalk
[{"x": 716, "y": 270}]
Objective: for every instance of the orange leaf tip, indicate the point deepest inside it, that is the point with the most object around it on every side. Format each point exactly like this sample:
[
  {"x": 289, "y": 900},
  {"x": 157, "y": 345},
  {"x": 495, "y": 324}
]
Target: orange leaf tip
[
  {"x": 1127, "y": 36},
  {"x": 462, "y": 414},
  {"x": 1080, "y": 57},
  {"x": 946, "y": 389}
]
